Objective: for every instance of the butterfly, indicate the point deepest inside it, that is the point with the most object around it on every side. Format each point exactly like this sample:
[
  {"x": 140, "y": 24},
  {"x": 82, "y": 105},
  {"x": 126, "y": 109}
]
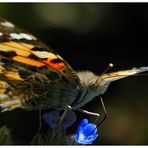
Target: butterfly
[{"x": 33, "y": 76}]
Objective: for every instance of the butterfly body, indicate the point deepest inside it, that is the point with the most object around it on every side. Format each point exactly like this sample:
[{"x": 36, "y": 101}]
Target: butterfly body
[{"x": 34, "y": 76}]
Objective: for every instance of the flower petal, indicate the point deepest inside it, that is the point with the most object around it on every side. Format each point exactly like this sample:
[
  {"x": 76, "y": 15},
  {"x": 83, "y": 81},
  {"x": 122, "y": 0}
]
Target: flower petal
[
  {"x": 92, "y": 137},
  {"x": 86, "y": 133},
  {"x": 83, "y": 123},
  {"x": 51, "y": 118},
  {"x": 89, "y": 129},
  {"x": 83, "y": 139},
  {"x": 68, "y": 120},
  {"x": 80, "y": 129}
]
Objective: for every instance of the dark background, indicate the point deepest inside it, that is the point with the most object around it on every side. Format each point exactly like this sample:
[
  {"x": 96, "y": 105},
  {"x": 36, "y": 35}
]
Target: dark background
[{"x": 90, "y": 36}]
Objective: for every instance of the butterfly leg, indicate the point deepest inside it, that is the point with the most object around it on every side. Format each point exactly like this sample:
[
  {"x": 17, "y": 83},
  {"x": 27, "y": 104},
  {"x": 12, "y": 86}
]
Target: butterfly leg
[
  {"x": 96, "y": 114},
  {"x": 89, "y": 113},
  {"x": 60, "y": 121},
  {"x": 64, "y": 113},
  {"x": 105, "y": 112}
]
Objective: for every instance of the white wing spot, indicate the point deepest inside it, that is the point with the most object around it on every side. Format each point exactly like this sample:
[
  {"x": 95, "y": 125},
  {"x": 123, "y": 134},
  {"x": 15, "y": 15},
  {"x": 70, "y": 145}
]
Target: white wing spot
[
  {"x": 7, "y": 24},
  {"x": 16, "y": 36},
  {"x": 28, "y": 36},
  {"x": 22, "y": 36},
  {"x": 44, "y": 54},
  {"x": 1, "y": 33}
]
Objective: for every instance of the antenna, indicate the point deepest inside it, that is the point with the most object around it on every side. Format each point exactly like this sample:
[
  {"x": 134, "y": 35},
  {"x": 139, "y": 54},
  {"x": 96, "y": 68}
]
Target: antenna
[{"x": 107, "y": 69}]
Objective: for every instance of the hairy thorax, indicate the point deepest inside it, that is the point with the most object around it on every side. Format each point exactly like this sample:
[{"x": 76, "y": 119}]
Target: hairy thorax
[{"x": 91, "y": 86}]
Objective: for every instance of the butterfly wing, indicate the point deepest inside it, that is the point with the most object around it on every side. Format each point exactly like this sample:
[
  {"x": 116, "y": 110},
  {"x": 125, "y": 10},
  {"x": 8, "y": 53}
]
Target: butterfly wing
[{"x": 31, "y": 72}]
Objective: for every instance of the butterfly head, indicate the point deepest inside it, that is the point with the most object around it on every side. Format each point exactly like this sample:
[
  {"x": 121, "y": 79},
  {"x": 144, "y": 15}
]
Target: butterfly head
[
  {"x": 93, "y": 82},
  {"x": 91, "y": 86},
  {"x": 100, "y": 83}
]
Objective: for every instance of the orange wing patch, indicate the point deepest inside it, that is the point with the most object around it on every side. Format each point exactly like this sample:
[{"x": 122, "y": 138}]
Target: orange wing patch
[
  {"x": 3, "y": 86},
  {"x": 28, "y": 61},
  {"x": 21, "y": 49},
  {"x": 50, "y": 57},
  {"x": 11, "y": 75},
  {"x": 58, "y": 66},
  {"x": 24, "y": 50}
]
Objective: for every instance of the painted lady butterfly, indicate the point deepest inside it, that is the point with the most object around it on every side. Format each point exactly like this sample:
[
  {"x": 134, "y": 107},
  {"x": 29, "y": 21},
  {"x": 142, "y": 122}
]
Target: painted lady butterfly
[{"x": 34, "y": 76}]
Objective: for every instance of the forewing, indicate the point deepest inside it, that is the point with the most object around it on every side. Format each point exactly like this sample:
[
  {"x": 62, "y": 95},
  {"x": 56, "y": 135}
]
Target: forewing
[{"x": 23, "y": 56}]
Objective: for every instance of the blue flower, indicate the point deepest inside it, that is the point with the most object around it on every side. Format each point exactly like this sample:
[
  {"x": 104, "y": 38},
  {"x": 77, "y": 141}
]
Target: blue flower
[
  {"x": 84, "y": 134},
  {"x": 52, "y": 119}
]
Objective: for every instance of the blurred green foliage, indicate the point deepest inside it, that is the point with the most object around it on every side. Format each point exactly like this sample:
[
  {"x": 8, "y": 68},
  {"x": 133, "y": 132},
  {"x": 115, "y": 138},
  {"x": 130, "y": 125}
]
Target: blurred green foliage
[{"x": 5, "y": 136}]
